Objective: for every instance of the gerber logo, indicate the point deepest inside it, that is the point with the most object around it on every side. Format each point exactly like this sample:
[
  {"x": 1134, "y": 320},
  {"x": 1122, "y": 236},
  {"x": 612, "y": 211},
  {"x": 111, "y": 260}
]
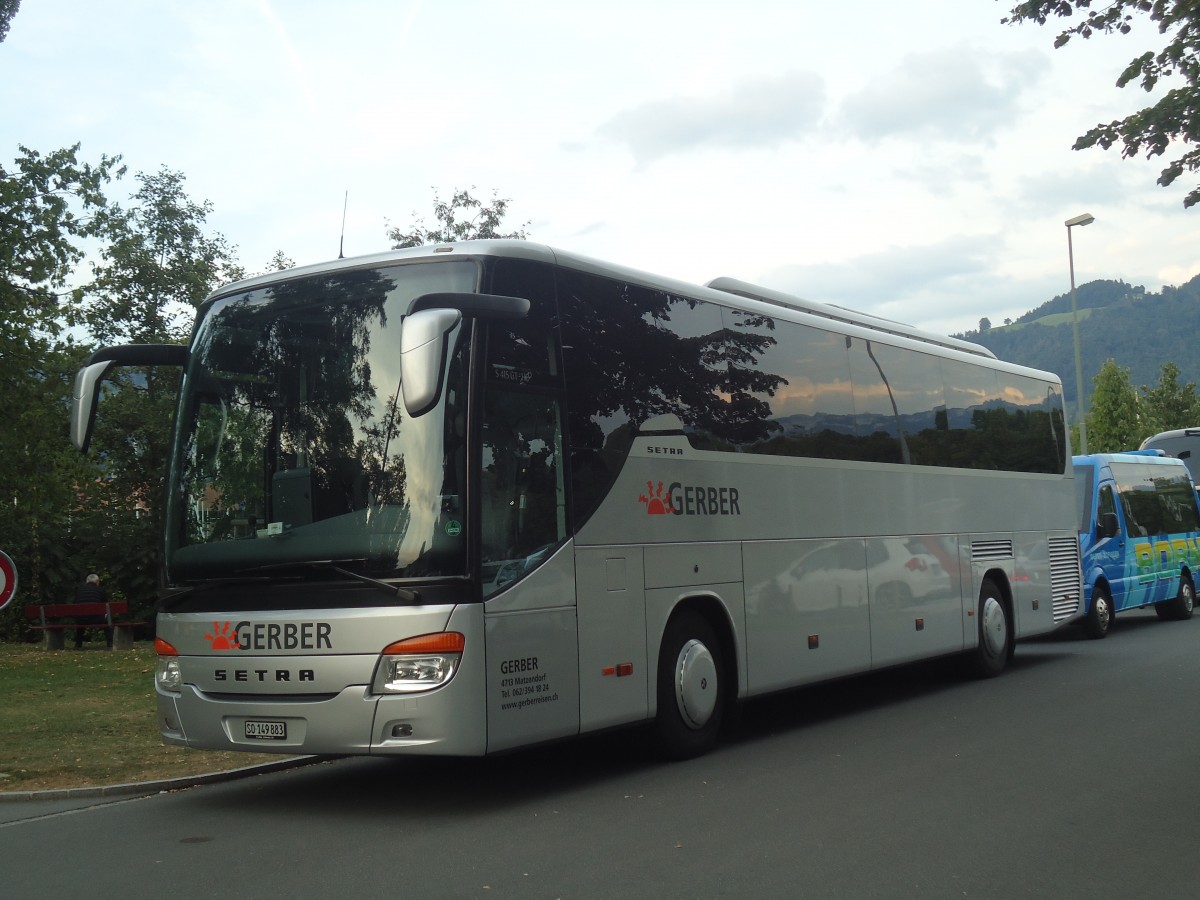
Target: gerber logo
[
  {"x": 690, "y": 500},
  {"x": 270, "y": 636}
]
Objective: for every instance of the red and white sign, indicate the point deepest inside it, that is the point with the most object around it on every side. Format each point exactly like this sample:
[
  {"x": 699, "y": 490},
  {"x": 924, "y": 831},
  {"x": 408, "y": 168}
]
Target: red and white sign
[{"x": 8, "y": 579}]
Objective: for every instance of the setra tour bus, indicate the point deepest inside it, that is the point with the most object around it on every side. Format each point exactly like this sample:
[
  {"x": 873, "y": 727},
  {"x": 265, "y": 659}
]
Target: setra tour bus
[
  {"x": 1182, "y": 443},
  {"x": 460, "y": 499}
]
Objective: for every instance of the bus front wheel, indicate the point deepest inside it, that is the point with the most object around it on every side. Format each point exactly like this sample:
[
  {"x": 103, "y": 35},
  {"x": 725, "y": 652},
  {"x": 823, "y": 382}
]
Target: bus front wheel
[
  {"x": 1100, "y": 616},
  {"x": 995, "y": 632},
  {"x": 691, "y": 689}
]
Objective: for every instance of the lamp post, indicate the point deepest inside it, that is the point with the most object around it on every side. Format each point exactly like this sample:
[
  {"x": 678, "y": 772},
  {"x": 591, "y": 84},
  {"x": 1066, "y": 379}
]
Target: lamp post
[{"x": 1084, "y": 219}]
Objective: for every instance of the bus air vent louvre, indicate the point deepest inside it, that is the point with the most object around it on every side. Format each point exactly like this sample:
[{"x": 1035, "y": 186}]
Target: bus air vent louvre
[
  {"x": 984, "y": 551},
  {"x": 1065, "y": 586}
]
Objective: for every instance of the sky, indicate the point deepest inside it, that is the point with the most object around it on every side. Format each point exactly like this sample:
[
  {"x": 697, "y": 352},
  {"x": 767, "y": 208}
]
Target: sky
[{"x": 911, "y": 160}]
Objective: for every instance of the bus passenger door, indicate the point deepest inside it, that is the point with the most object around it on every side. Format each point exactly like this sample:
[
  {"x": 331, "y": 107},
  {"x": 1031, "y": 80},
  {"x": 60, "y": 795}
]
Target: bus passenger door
[
  {"x": 527, "y": 566},
  {"x": 611, "y": 599},
  {"x": 1126, "y": 557}
]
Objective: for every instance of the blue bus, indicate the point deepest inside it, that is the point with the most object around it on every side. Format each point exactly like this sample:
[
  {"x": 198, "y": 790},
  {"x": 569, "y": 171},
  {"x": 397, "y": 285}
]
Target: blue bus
[{"x": 1139, "y": 535}]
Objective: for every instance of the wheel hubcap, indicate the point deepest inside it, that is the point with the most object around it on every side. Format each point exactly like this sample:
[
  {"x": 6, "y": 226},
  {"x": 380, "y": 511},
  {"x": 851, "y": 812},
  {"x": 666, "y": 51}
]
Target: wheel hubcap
[
  {"x": 1103, "y": 613},
  {"x": 995, "y": 626},
  {"x": 695, "y": 684}
]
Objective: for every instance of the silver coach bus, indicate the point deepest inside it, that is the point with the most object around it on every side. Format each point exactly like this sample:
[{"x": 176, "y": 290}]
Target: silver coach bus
[
  {"x": 465, "y": 498},
  {"x": 1182, "y": 443}
]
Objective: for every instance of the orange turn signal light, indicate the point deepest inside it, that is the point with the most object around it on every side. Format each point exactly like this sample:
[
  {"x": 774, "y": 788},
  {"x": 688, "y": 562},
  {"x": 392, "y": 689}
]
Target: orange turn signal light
[{"x": 441, "y": 642}]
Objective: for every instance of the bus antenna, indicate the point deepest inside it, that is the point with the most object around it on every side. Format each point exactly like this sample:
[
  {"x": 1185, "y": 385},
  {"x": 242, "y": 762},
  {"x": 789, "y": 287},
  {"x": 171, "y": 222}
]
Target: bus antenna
[{"x": 342, "y": 238}]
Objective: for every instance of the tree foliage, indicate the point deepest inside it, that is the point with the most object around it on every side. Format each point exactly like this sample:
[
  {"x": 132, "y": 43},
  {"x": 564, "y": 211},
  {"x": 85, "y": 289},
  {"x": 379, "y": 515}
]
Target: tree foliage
[
  {"x": 463, "y": 218},
  {"x": 65, "y": 514},
  {"x": 1113, "y": 420},
  {"x": 158, "y": 265},
  {"x": 1175, "y": 117},
  {"x": 50, "y": 206},
  {"x": 280, "y": 261},
  {"x": 8, "y": 9},
  {"x": 1121, "y": 417},
  {"x": 1168, "y": 405}
]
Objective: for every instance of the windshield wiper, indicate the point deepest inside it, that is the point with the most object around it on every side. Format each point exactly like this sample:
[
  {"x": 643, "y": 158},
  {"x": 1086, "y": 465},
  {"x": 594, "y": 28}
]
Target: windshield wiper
[
  {"x": 395, "y": 590},
  {"x": 402, "y": 592}
]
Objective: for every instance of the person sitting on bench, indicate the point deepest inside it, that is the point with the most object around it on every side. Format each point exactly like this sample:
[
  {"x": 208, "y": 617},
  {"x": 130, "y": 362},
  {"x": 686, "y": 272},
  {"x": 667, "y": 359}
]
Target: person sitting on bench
[{"x": 91, "y": 592}]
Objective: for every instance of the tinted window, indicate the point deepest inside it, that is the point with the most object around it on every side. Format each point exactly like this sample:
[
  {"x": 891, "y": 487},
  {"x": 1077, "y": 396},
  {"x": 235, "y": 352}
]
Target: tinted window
[
  {"x": 876, "y": 413},
  {"x": 753, "y": 383},
  {"x": 1084, "y": 486},
  {"x": 523, "y": 502},
  {"x": 794, "y": 386},
  {"x": 1156, "y": 500},
  {"x": 1028, "y": 425},
  {"x": 631, "y": 353}
]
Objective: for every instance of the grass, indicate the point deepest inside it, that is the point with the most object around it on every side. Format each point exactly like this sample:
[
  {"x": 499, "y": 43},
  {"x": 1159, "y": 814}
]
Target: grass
[{"x": 83, "y": 718}]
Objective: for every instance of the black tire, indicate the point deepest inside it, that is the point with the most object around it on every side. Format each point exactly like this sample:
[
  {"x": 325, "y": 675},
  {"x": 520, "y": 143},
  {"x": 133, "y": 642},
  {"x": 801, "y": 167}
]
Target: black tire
[
  {"x": 691, "y": 688},
  {"x": 1184, "y": 603},
  {"x": 995, "y": 633},
  {"x": 1100, "y": 617}
]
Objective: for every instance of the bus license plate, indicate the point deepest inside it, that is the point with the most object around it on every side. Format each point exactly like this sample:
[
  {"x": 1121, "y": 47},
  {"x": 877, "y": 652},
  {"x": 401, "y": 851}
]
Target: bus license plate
[{"x": 266, "y": 731}]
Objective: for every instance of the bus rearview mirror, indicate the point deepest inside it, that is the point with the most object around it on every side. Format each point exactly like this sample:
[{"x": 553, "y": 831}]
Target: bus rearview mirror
[
  {"x": 1108, "y": 526},
  {"x": 423, "y": 345},
  {"x": 85, "y": 394},
  {"x": 83, "y": 402}
]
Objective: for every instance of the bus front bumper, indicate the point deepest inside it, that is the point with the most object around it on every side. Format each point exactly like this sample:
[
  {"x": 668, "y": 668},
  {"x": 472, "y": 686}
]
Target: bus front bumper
[{"x": 352, "y": 722}]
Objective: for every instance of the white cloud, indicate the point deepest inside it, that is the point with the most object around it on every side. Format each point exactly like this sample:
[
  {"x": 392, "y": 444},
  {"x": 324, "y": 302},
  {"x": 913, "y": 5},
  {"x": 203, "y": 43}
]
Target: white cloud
[
  {"x": 753, "y": 114},
  {"x": 955, "y": 94}
]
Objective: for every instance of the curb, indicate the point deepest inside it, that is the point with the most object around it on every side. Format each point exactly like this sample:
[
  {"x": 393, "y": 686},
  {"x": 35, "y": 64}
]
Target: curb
[{"x": 155, "y": 787}]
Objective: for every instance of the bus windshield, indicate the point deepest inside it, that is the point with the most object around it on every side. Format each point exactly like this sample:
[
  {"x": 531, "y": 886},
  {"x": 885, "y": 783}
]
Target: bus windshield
[{"x": 293, "y": 447}]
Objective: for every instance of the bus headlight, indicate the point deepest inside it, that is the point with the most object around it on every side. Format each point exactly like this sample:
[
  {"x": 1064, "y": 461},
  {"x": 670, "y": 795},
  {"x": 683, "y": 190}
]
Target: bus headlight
[
  {"x": 167, "y": 675},
  {"x": 419, "y": 664}
]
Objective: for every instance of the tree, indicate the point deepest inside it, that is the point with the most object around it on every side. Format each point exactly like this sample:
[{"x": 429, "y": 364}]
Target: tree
[
  {"x": 280, "y": 261},
  {"x": 49, "y": 206},
  {"x": 481, "y": 225},
  {"x": 1169, "y": 405},
  {"x": 8, "y": 9},
  {"x": 985, "y": 324},
  {"x": 1175, "y": 118},
  {"x": 1113, "y": 423},
  {"x": 158, "y": 266}
]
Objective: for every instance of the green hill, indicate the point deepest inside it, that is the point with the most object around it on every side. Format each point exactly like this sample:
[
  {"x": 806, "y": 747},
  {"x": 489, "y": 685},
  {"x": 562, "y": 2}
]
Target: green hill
[{"x": 1139, "y": 330}]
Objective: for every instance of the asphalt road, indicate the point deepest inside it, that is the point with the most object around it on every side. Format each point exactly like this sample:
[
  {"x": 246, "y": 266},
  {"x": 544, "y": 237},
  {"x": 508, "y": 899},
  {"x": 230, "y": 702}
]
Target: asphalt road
[{"x": 1072, "y": 775}]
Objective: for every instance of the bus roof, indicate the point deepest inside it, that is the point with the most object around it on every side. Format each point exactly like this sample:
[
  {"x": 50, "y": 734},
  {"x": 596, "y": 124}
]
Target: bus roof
[
  {"x": 1125, "y": 456},
  {"x": 842, "y": 314},
  {"x": 1175, "y": 434},
  {"x": 718, "y": 290}
]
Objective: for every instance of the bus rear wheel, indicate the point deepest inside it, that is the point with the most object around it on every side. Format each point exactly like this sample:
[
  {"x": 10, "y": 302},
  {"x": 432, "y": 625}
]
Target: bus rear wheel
[
  {"x": 1183, "y": 605},
  {"x": 691, "y": 688},
  {"x": 1100, "y": 616},
  {"x": 990, "y": 656}
]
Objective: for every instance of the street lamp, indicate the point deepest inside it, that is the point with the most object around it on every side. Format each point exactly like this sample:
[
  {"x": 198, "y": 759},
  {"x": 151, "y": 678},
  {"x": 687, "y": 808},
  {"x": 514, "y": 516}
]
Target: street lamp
[{"x": 1085, "y": 219}]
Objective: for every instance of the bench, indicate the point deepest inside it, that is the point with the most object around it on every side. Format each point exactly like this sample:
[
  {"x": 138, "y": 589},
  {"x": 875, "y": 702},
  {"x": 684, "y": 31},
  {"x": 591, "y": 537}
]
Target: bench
[{"x": 53, "y": 620}]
